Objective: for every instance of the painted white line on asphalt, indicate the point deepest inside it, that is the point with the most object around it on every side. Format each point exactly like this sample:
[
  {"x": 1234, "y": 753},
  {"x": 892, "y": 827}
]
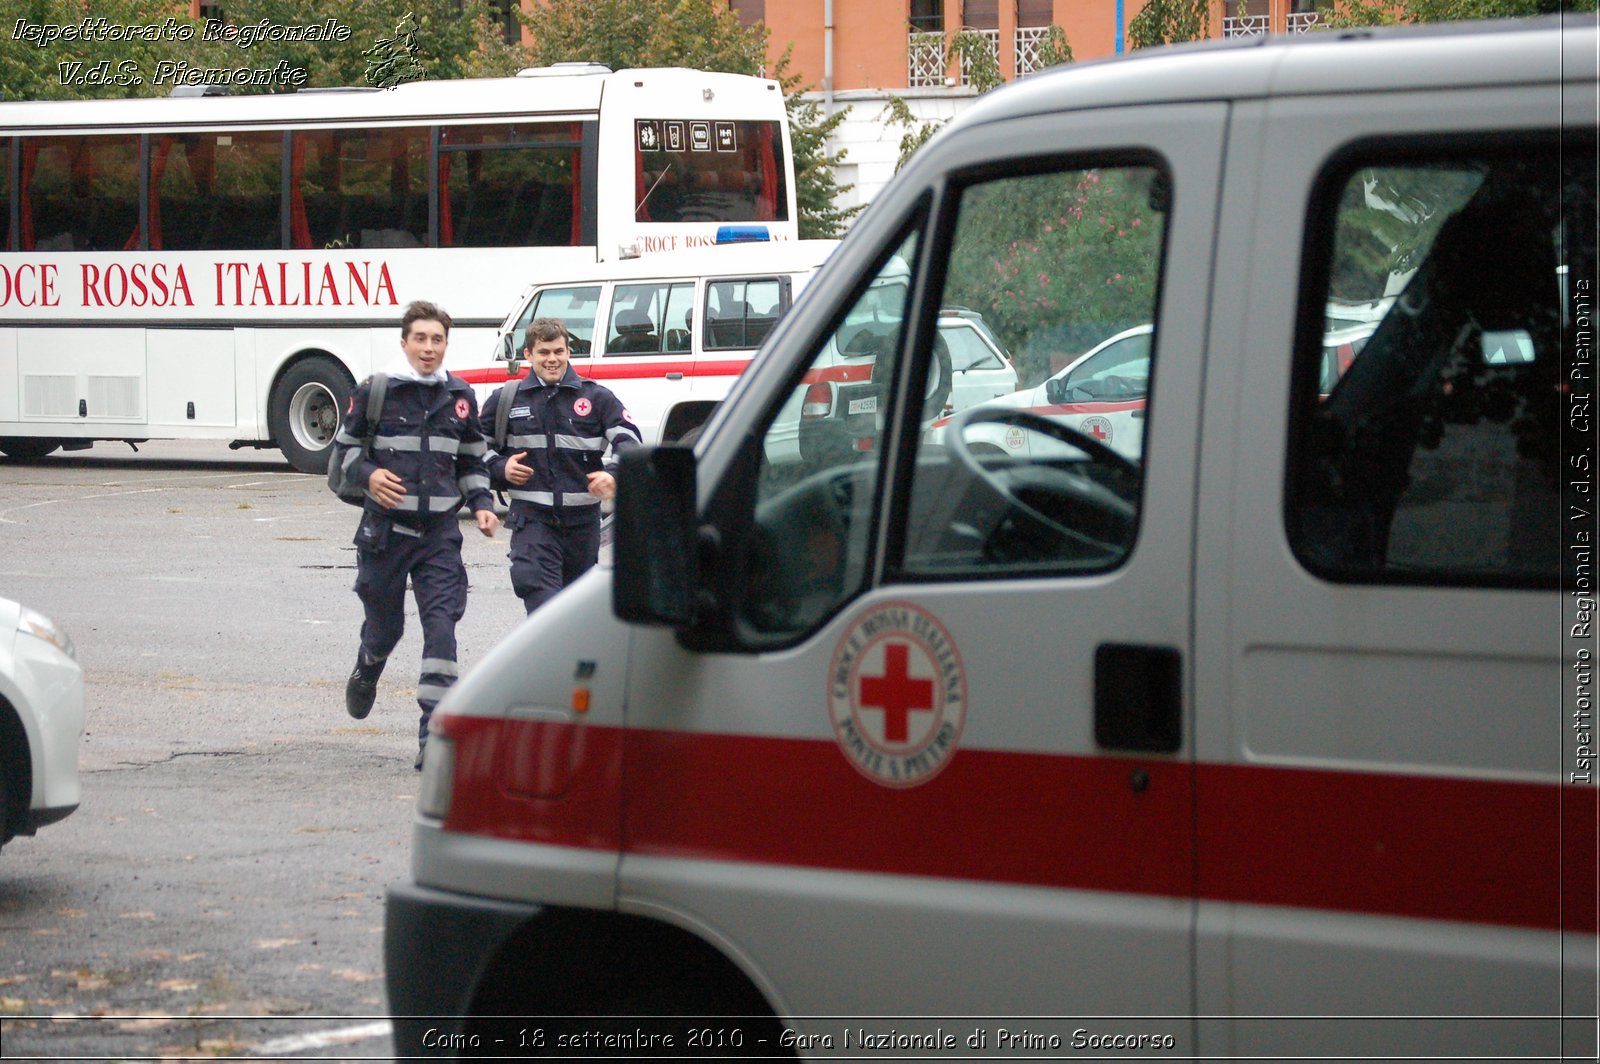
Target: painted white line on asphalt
[
  {"x": 79, "y": 498},
  {"x": 283, "y": 1047}
]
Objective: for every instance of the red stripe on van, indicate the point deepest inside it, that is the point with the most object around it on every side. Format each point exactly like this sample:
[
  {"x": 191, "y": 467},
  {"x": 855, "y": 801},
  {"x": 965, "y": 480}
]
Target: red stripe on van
[
  {"x": 1479, "y": 851},
  {"x": 603, "y": 371}
]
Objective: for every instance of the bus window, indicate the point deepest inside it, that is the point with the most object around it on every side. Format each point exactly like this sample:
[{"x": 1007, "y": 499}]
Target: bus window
[
  {"x": 705, "y": 171},
  {"x": 359, "y": 188},
  {"x": 79, "y": 193},
  {"x": 216, "y": 191},
  {"x": 5, "y": 192},
  {"x": 510, "y": 185}
]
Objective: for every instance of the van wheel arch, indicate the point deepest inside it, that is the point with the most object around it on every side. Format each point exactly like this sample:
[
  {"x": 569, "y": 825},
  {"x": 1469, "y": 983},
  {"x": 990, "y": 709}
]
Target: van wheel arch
[
  {"x": 576, "y": 963},
  {"x": 684, "y": 419}
]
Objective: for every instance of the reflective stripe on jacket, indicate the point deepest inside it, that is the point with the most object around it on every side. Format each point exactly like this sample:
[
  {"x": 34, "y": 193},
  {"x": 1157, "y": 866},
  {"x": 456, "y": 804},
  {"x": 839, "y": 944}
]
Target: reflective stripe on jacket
[{"x": 428, "y": 436}]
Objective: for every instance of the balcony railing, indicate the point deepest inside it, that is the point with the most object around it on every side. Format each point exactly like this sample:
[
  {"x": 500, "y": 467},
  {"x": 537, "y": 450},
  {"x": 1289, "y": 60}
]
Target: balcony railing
[
  {"x": 1302, "y": 21},
  {"x": 992, "y": 38},
  {"x": 1245, "y": 26},
  {"x": 924, "y": 60},
  {"x": 1030, "y": 40}
]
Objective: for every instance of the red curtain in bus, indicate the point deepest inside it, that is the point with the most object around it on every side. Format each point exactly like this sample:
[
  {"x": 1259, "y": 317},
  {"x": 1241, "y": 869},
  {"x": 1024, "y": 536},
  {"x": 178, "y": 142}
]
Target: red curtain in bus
[
  {"x": 447, "y": 228},
  {"x": 30, "y": 159},
  {"x": 641, "y": 210},
  {"x": 158, "y": 166},
  {"x": 577, "y": 185},
  {"x": 299, "y": 228},
  {"x": 769, "y": 175}
]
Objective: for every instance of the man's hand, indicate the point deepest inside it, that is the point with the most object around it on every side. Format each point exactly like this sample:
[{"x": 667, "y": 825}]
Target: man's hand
[
  {"x": 487, "y": 522},
  {"x": 602, "y": 485},
  {"x": 386, "y": 488},
  {"x": 517, "y": 472}
]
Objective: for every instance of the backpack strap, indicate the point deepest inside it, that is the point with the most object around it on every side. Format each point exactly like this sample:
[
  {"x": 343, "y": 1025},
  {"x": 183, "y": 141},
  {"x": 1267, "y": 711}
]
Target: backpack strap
[
  {"x": 376, "y": 390},
  {"x": 502, "y": 414}
]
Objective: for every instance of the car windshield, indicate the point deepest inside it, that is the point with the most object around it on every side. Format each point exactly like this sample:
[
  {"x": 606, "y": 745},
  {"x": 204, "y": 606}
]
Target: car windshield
[{"x": 1121, "y": 371}]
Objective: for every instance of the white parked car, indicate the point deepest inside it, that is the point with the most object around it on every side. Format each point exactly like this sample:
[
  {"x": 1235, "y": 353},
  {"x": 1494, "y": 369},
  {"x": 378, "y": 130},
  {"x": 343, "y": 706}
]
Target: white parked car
[
  {"x": 41, "y": 721},
  {"x": 1101, "y": 394}
]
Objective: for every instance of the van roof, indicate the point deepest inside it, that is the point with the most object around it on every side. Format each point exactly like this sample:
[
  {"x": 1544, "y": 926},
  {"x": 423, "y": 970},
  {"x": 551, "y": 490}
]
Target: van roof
[
  {"x": 1507, "y": 51},
  {"x": 778, "y": 256}
]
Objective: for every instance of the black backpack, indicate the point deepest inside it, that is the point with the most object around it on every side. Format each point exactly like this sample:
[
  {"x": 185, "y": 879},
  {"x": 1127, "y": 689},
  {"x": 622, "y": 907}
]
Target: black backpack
[
  {"x": 502, "y": 414},
  {"x": 348, "y": 490}
]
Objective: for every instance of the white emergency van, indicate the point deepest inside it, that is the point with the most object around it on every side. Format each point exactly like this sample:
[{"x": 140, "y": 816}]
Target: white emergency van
[{"x": 1271, "y": 737}]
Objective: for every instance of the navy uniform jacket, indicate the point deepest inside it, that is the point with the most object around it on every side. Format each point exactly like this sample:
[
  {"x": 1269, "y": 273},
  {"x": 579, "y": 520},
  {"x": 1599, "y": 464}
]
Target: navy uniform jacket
[
  {"x": 428, "y": 436},
  {"x": 564, "y": 428}
]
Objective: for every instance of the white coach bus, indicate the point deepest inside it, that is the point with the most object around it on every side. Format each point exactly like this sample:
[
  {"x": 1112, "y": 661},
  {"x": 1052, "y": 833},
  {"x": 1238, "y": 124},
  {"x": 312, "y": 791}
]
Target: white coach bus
[{"x": 227, "y": 268}]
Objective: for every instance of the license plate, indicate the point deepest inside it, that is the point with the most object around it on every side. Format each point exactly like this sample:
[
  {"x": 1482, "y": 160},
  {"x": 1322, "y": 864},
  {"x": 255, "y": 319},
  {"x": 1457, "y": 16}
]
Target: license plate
[{"x": 868, "y": 405}]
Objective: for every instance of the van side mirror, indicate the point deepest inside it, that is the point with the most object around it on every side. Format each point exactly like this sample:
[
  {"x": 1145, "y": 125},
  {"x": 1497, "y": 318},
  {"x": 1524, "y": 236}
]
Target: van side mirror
[
  {"x": 508, "y": 354},
  {"x": 1055, "y": 390},
  {"x": 655, "y": 546}
]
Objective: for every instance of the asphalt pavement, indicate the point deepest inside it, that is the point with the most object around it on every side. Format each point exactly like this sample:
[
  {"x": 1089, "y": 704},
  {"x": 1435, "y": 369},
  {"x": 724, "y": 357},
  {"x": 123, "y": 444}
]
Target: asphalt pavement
[{"x": 219, "y": 892}]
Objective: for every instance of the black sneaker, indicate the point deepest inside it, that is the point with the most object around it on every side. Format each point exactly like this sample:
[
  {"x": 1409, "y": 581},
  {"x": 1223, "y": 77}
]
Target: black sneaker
[
  {"x": 360, "y": 691},
  {"x": 422, "y": 748}
]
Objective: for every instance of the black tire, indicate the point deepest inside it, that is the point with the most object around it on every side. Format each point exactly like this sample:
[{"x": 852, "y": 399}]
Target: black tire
[
  {"x": 307, "y": 402},
  {"x": 936, "y": 393},
  {"x": 27, "y": 448}
]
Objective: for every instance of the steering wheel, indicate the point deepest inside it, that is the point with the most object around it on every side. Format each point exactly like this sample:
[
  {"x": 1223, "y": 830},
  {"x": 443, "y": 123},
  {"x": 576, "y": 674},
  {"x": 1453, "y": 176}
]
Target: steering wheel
[{"x": 1036, "y": 479}]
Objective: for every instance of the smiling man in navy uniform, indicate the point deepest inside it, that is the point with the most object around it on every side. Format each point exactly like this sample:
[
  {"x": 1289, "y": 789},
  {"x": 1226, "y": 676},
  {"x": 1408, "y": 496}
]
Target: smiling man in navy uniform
[
  {"x": 552, "y": 465},
  {"x": 426, "y": 458}
]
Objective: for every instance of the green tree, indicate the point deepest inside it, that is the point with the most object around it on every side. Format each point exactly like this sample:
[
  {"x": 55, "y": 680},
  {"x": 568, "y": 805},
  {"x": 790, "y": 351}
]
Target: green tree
[
  {"x": 1169, "y": 22},
  {"x": 1072, "y": 256},
  {"x": 454, "y": 38},
  {"x": 1351, "y": 13}
]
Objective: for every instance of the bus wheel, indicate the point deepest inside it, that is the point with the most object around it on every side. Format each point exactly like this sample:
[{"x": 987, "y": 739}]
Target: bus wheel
[
  {"x": 306, "y": 404},
  {"x": 24, "y": 448}
]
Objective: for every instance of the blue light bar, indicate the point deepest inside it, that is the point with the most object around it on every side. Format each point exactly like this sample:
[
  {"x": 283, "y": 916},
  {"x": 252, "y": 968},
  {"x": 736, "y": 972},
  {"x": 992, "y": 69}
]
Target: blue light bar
[{"x": 742, "y": 234}]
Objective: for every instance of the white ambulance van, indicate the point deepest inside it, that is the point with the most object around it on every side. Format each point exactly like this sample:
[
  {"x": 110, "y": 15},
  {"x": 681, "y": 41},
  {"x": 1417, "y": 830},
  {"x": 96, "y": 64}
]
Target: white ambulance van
[
  {"x": 668, "y": 333},
  {"x": 1273, "y": 741}
]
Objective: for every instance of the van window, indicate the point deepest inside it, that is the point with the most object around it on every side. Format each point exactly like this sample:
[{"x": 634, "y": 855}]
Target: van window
[
  {"x": 1428, "y": 449},
  {"x": 649, "y": 319},
  {"x": 1064, "y": 266},
  {"x": 817, "y": 485},
  {"x": 740, "y": 313},
  {"x": 575, "y": 307}
]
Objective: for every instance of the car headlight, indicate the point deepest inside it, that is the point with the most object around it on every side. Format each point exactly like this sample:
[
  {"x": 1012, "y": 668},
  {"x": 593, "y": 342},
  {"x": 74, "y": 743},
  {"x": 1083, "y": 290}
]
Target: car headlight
[{"x": 31, "y": 622}]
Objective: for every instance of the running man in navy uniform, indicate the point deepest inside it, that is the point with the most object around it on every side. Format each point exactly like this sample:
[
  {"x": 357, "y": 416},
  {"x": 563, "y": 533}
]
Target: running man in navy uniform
[
  {"x": 552, "y": 465},
  {"x": 426, "y": 459}
]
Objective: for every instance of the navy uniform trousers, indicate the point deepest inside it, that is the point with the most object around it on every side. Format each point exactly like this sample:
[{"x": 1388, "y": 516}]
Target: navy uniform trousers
[
  {"x": 387, "y": 553},
  {"x": 550, "y": 550}
]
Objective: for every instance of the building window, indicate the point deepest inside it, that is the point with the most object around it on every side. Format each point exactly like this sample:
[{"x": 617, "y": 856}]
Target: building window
[
  {"x": 927, "y": 16},
  {"x": 980, "y": 15},
  {"x": 749, "y": 11},
  {"x": 504, "y": 14}
]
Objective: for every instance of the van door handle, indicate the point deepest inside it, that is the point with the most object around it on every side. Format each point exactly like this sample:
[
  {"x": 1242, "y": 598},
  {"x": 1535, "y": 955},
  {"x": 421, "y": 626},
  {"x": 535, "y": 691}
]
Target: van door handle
[
  {"x": 675, "y": 375},
  {"x": 1138, "y": 698}
]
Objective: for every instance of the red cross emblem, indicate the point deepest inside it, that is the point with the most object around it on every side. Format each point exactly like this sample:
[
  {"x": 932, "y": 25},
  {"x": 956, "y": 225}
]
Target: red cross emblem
[
  {"x": 897, "y": 693},
  {"x": 582, "y": 407},
  {"x": 1098, "y": 427},
  {"x": 462, "y": 408}
]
